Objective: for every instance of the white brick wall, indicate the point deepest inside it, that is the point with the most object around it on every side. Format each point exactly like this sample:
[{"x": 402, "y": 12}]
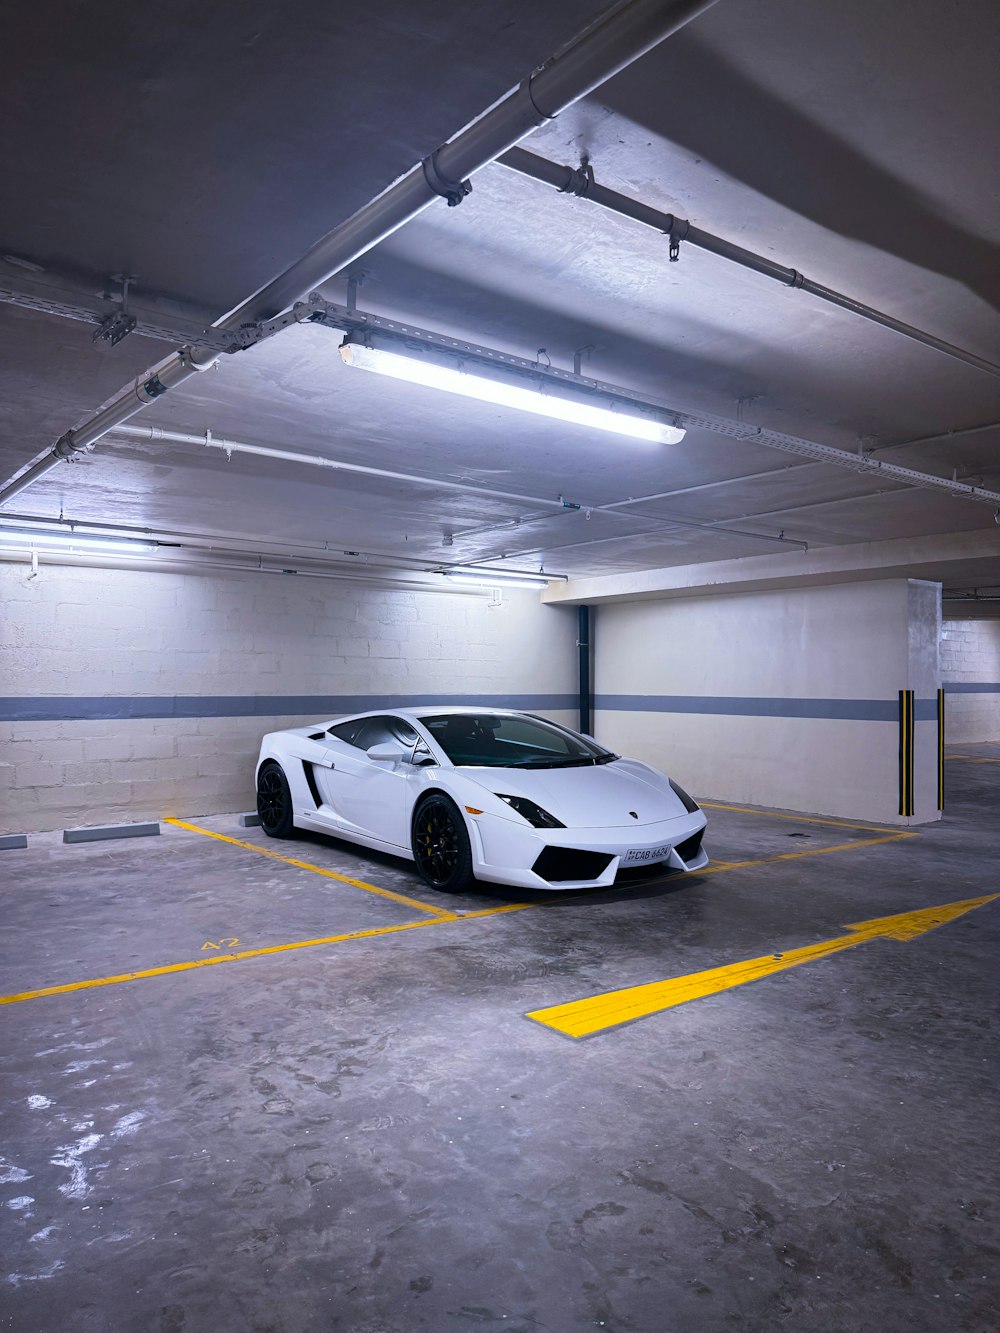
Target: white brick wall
[
  {"x": 75, "y": 632},
  {"x": 970, "y": 654}
]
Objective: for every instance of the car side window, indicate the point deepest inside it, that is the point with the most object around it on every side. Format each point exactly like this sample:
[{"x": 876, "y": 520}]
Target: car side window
[
  {"x": 377, "y": 730},
  {"x": 345, "y": 731}
]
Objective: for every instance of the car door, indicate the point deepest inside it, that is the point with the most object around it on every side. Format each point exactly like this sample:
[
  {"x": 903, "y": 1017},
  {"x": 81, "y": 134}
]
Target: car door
[{"x": 365, "y": 797}]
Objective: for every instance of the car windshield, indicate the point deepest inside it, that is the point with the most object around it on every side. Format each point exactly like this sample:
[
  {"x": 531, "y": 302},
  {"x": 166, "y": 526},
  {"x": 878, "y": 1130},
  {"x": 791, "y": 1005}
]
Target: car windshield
[{"x": 511, "y": 740}]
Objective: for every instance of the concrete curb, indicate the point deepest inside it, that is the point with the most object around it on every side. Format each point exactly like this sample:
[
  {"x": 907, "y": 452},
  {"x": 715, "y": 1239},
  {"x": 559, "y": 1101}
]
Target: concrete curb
[{"x": 100, "y": 832}]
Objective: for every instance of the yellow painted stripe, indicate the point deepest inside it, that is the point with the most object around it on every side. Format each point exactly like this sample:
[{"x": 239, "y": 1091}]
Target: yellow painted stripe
[
  {"x": 438, "y": 918},
  {"x": 940, "y": 748},
  {"x": 597, "y": 1013},
  {"x": 440, "y": 912},
  {"x": 812, "y": 851},
  {"x": 215, "y": 959},
  {"x": 968, "y": 759},
  {"x": 796, "y": 819}
]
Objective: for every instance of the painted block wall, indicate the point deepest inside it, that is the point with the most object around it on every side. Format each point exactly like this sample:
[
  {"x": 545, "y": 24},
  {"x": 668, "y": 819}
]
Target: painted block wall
[
  {"x": 709, "y": 689},
  {"x": 77, "y": 644},
  {"x": 970, "y": 670}
]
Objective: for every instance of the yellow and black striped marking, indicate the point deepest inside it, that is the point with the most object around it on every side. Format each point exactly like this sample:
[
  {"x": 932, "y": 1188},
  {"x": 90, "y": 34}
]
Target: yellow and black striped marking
[
  {"x": 940, "y": 743},
  {"x": 906, "y": 743}
]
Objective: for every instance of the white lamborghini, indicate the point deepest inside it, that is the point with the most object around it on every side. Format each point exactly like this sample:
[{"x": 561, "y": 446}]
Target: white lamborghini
[{"x": 478, "y": 793}]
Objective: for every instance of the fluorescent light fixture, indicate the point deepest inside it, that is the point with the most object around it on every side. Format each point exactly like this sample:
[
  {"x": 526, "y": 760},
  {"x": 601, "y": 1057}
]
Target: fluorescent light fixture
[
  {"x": 486, "y": 580},
  {"x": 69, "y": 542},
  {"x": 508, "y": 382},
  {"x": 471, "y": 577}
]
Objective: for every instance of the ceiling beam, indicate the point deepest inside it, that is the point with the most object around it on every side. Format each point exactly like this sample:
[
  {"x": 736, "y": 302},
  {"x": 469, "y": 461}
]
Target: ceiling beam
[{"x": 950, "y": 556}]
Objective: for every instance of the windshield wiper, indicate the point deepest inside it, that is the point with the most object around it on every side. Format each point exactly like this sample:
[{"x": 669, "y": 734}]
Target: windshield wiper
[{"x": 543, "y": 761}]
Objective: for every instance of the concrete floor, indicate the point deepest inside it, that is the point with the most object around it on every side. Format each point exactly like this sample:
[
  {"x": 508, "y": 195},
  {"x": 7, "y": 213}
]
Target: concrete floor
[{"x": 368, "y": 1134}]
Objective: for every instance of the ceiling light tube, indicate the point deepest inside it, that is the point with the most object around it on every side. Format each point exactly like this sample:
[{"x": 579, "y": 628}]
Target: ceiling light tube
[
  {"x": 487, "y": 580},
  {"x": 506, "y": 383},
  {"x": 69, "y": 542},
  {"x": 508, "y": 578}
]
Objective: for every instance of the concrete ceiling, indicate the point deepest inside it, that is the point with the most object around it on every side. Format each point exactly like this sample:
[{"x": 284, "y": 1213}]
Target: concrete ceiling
[{"x": 204, "y": 149}]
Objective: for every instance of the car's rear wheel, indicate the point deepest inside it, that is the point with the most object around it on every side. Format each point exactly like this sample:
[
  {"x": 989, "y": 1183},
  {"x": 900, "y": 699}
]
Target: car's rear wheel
[
  {"x": 274, "y": 802},
  {"x": 441, "y": 845}
]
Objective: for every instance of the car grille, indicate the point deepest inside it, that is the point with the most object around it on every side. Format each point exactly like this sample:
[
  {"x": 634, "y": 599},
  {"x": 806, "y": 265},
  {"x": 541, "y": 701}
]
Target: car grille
[{"x": 562, "y": 863}]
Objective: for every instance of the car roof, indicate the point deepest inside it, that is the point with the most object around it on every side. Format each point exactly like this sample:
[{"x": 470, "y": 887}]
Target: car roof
[{"x": 432, "y": 710}]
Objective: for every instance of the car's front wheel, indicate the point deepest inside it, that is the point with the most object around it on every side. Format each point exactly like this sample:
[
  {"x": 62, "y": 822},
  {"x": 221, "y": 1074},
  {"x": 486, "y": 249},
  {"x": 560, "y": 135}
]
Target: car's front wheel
[
  {"x": 274, "y": 801},
  {"x": 441, "y": 845}
]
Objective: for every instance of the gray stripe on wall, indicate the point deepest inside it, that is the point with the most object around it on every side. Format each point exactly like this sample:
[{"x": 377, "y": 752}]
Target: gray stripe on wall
[
  {"x": 838, "y": 710},
  {"x": 97, "y": 708},
  {"x": 971, "y": 687},
  {"x": 59, "y": 708}
]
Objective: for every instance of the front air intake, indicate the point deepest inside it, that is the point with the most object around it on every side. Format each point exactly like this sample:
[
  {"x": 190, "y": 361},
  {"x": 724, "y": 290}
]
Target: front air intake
[
  {"x": 689, "y": 849},
  {"x": 557, "y": 864}
]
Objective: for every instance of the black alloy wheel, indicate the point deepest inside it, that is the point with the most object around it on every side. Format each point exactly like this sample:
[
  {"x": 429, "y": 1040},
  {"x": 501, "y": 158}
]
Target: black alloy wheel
[
  {"x": 274, "y": 802},
  {"x": 441, "y": 845}
]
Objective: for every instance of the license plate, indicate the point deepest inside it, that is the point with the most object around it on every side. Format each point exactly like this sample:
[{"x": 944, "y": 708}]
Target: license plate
[{"x": 643, "y": 855}]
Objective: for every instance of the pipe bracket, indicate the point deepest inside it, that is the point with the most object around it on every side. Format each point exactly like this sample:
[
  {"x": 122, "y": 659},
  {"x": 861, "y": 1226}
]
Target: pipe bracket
[
  {"x": 64, "y": 446},
  {"x": 526, "y": 104},
  {"x": 579, "y": 181},
  {"x": 797, "y": 279},
  {"x": 679, "y": 228},
  {"x": 453, "y": 191}
]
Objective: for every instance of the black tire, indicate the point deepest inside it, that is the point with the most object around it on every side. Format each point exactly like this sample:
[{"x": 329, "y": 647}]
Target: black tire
[
  {"x": 441, "y": 845},
  {"x": 274, "y": 801}
]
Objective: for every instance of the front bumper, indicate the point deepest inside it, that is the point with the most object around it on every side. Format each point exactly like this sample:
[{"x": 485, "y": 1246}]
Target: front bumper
[{"x": 507, "y": 853}]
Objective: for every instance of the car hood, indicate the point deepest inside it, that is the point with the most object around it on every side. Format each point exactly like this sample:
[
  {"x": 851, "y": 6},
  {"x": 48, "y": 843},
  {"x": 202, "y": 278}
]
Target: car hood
[{"x": 624, "y": 792}]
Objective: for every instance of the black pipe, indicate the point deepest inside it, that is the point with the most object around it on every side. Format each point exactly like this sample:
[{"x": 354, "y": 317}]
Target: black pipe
[
  {"x": 581, "y": 183},
  {"x": 583, "y": 643}
]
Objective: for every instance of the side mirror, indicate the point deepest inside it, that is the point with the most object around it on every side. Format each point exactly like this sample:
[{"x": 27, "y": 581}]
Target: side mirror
[{"x": 388, "y": 752}]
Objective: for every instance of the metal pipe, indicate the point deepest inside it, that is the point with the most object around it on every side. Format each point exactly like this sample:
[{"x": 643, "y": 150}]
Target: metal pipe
[
  {"x": 286, "y": 551},
  {"x": 553, "y": 507},
  {"x": 583, "y": 185},
  {"x": 174, "y": 370},
  {"x": 39, "y": 469},
  {"x": 583, "y": 64},
  {"x": 936, "y": 439},
  {"x": 318, "y": 460},
  {"x": 583, "y": 644},
  {"x": 595, "y": 55},
  {"x": 103, "y": 560}
]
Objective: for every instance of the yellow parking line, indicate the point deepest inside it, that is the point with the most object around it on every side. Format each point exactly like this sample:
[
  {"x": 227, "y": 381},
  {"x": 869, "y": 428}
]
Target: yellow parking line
[
  {"x": 609, "y": 1009},
  {"x": 441, "y": 913},
  {"x": 798, "y": 819},
  {"x": 812, "y": 851},
  {"x": 252, "y": 953},
  {"x": 437, "y": 915}
]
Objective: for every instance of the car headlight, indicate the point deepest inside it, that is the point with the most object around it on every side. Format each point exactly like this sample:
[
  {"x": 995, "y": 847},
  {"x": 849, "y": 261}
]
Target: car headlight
[
  {"x": 533, "y": 813},
  {"x": 690, "y": 804}
]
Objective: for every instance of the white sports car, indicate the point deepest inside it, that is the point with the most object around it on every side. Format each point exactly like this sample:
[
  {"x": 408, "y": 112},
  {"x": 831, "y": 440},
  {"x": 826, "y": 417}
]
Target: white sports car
[{"x": 478, "y": 793}]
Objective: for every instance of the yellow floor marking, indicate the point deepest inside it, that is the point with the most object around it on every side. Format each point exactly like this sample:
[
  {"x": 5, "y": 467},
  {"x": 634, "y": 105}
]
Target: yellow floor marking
[
  {"x": 438, "y": 917},
  {"x": 721, "y": 866},
  {"x": 797, "y": 819},
  {"x": 597, "y": 1013},
  {"x": 969, "y": 759},
  {"x": 441, "y": 913},
  {"x": 214, "y": 959}
]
